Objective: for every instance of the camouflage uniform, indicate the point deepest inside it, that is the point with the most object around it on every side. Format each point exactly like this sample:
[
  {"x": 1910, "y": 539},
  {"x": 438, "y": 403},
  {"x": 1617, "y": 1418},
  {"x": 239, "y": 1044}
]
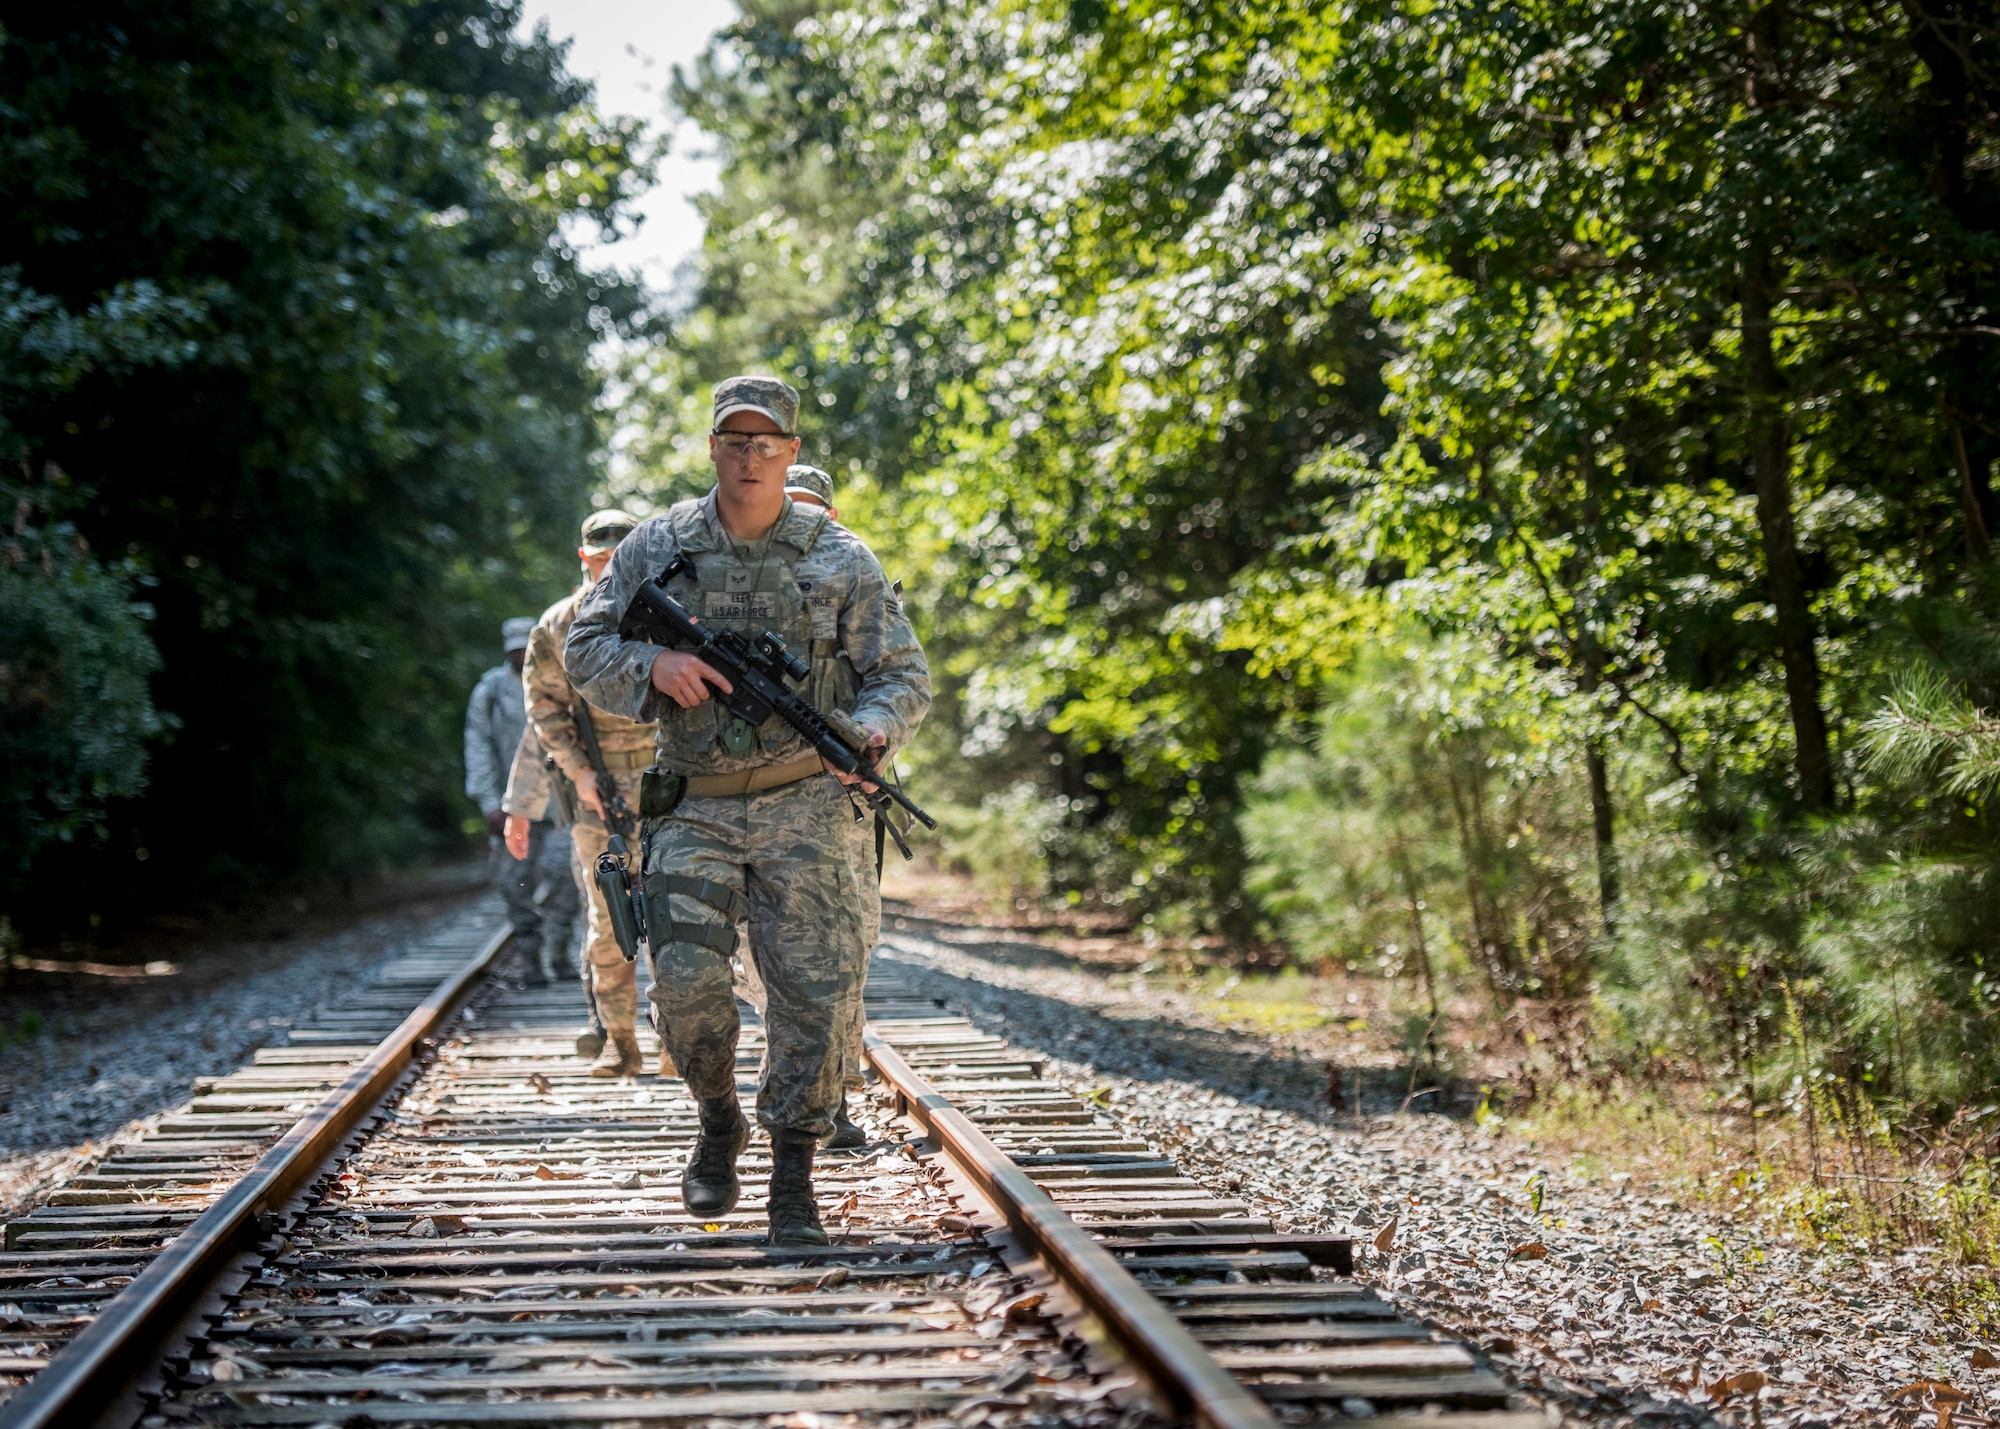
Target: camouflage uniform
[
  {"x": 627, "y": 746},
  {"x": 784, "y": 856},
  {"x": 539, "y": 892},
  {"x": 531, "y": 788},
  {"x": 811, "y": 482},
  {"x": 817, "y": 486}
]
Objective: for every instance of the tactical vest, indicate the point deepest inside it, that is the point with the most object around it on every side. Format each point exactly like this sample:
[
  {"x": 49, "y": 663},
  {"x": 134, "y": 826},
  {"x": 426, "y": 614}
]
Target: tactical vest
[{"x": 730, "y": 592}]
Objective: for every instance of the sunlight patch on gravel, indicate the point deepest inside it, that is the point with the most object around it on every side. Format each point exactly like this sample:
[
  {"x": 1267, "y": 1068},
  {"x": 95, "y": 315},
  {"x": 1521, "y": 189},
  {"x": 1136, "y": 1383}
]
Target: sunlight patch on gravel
[{"x": 1607, "y": 1304}]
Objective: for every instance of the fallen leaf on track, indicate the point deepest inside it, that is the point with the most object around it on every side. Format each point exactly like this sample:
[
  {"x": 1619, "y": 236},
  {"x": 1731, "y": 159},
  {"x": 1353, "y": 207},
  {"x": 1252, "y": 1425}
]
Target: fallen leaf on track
[
  {"x": 1532, "y": 1250},
  {"x": 1749, "y": 1382},
  {"x": 1935, "y": 1390},
  {"x": 542, "y": 1173},
  {"x": 1385, "y": 1239},
  {"x": 1983, "y": 1358},
  {"x": 1023, "y": 1308}
]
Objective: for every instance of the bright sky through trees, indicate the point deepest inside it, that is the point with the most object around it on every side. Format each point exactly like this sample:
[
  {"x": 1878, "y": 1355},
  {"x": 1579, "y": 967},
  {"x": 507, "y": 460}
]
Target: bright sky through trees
[{"x": 629, "y": 51}]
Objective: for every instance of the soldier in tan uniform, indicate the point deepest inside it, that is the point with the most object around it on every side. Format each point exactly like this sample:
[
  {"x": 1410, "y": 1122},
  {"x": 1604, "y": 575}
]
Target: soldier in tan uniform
[
  {"x": 747, "y": 821},
  {"x": 567, "y": 726}
]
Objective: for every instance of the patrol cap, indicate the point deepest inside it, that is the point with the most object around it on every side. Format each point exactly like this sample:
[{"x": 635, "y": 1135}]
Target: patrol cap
[
  {"x": 514, "y": 633},
  {"x": 603, "y": 530},
  {"x": 768, "y": 395},
  {"x": 809, "y": 481}
]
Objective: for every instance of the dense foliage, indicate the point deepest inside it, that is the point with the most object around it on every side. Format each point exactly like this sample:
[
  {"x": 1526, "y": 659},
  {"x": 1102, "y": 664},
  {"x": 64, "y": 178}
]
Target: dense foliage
[
  {"x": 290, "y": 338},
  {"x": 1501, "y": 493}
]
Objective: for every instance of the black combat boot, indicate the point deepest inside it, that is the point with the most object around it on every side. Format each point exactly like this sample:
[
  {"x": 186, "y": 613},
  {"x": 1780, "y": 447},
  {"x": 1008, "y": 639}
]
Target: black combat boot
[
  {"x": 708, "y": 1185},
  {"x": 794, "y": 1216},
  {"x": 846, "y": 1135}
]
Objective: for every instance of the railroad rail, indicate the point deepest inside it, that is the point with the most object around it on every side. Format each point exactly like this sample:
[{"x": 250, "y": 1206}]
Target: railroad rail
[{"x": 473, "y": 1231}]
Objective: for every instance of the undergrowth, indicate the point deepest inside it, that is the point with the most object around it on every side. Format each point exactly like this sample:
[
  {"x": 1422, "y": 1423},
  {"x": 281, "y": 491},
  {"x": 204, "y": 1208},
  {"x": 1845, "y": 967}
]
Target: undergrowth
[{"x": 1836, "y": 1175}]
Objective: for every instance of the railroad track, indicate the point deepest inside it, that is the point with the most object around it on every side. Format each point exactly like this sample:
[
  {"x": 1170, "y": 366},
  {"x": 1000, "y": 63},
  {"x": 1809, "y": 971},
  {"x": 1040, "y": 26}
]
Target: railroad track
[{"x": 475, "y": 1232}]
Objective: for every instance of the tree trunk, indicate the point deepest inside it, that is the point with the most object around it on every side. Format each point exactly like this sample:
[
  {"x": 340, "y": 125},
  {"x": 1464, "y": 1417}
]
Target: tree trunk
[
  {"x": 1937, "y": 30},
  {"x": 1601, "y": 829},
  {"x": 1768, "y": 428},
  {"x": 1770, "y": 462},
  {"x": 1414, "y": 897},
  {"x": 1496, "y": 956},
  {"x": 1937, "y": 35},
  {"x": 1978, "y": 543},
  {"x": 1590, "y": 675},
  {"x": 1590, "y": 679}
]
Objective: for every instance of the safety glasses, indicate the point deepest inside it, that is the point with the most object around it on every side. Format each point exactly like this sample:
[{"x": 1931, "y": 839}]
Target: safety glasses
[{"x": 763, "y": 447}]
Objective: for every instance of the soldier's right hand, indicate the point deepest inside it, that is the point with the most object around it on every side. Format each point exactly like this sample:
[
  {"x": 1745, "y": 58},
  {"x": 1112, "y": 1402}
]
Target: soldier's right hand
[
  {"x": 685, "y": 679},
  {"x": 517, "y": 836},
  {"x": 495, "y": 822}
]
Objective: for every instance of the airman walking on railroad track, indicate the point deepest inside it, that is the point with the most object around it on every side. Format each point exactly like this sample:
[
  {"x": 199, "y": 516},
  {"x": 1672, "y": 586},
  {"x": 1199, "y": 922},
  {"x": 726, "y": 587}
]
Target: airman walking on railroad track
[
  {"x": 736, "y": 821},
  {"x": 602, "y": 755},
  {"x": 536, "y": 884}
]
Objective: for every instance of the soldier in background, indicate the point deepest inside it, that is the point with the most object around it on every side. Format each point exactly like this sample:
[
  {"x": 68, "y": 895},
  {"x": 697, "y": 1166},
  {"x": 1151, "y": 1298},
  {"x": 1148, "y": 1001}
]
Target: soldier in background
[
  {"x": 537, "y": 887},
  {"x": 536, "y": 792},
  {"x": 809, "y": 486},
  {"x": 584, "y": 744}
]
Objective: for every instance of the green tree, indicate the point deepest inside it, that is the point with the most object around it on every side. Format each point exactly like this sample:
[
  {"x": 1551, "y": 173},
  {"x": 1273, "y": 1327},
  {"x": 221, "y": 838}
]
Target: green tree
[
  {"x": 75, "y": 712},
  {"x": 1636, "y": 361},
  {"x": 301, "y": 339}
]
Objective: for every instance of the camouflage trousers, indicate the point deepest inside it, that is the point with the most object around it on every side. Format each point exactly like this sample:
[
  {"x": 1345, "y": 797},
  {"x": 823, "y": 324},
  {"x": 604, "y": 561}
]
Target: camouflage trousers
[
  {"x": 781, "y": 859},
  {"x": 868, "y": 880},
  {"x": 540, "y": 893},
  {"x": 613, "y": 981}
]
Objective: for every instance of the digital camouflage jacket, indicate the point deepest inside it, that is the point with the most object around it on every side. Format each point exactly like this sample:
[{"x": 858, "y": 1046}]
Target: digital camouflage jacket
[
  {"x": 811, "y": 581},
  {"x": 494, "y": 718}
]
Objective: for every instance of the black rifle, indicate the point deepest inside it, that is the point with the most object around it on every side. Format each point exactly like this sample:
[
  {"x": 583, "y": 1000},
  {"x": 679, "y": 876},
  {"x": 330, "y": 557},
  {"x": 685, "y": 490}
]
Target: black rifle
[
  {"x": 757, "y": 669},
  {"x": 624, "y": 898},
  {"x": 617, "y": 813}
]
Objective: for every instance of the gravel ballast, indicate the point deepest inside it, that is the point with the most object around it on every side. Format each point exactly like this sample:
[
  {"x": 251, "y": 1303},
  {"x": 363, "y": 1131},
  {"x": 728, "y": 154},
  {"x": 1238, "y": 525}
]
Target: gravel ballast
[
  {"x": 1614, "y": 1302},
  {"x": 112, "y": 1053}
]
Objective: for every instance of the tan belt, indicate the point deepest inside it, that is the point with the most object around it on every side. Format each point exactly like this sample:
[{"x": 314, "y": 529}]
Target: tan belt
[
  {"x": 627, "y": 761},
  {"x": 752, "y": 781}
]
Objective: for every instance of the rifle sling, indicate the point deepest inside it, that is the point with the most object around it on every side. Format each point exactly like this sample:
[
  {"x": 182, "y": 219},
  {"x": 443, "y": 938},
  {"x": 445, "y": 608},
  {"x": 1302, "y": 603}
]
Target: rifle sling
[{"x": 586, "y": 735}]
